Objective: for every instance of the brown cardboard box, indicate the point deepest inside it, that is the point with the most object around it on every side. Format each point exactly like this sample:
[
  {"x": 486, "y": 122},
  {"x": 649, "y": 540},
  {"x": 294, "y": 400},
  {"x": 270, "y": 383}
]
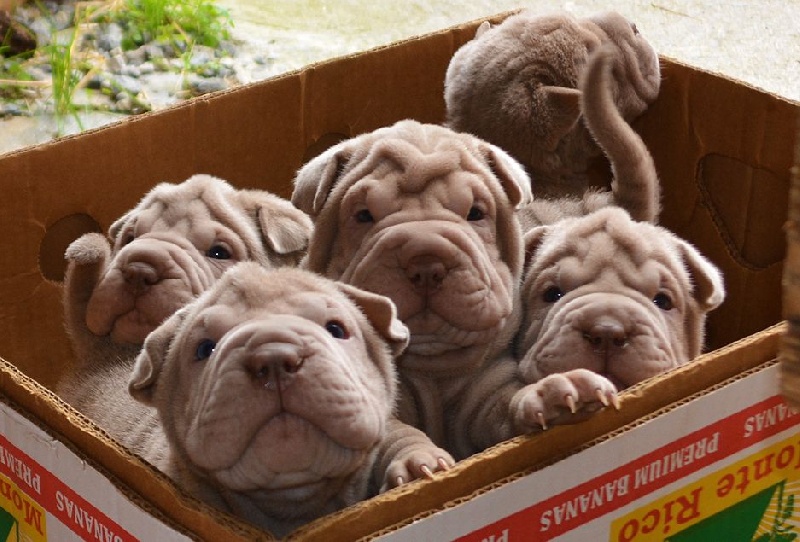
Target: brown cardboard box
[{"x": 723, "y": 150}]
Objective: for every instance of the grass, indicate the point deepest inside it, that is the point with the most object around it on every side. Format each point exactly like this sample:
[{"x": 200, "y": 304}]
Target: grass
[
  {"x": 180, "y": 22},
  {"x": 65, "y": 78}
]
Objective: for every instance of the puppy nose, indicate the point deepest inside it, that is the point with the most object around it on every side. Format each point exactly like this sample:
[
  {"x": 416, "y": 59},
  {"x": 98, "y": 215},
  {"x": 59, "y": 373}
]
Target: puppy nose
[
  {"x": 274, "y": 365},
  {"x": 606, "y": 334},
  {"x": 426, "y": 272},
  {"x": 140, "y": 275}
]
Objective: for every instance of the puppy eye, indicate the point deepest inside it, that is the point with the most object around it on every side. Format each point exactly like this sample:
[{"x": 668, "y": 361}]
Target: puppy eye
[
  {"x": 204, "y": 349},
  {"x": 635, "y": 30},
  {"x": 663, "y": 301},
  {"x": 128, "y": 239},
  {"x": 219, "y": 252},
  {"x": 336, "y": 329},
  {"x": 475, "y": 214},
  {"x": 552, "y": 294},
  {"x": 364, "y": 216}
]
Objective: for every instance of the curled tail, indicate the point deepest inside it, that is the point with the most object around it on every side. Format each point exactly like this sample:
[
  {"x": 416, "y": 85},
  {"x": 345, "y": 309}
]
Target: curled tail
[{"x": 635, "y": 186}]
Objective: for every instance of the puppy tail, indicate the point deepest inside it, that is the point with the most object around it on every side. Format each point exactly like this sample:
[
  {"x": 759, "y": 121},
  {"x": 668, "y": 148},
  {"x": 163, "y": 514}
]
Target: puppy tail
[
  {"x": 87, "y": 258},
  {"x": 635, "y": 185}
]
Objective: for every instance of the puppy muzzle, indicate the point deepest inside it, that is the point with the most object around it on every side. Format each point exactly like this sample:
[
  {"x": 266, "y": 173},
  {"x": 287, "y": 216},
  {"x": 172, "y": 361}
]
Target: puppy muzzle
[
  {"x": 621, "y": 336},
  {"x": 438, "y": 272},
  {"x": 147, "y": 280}
]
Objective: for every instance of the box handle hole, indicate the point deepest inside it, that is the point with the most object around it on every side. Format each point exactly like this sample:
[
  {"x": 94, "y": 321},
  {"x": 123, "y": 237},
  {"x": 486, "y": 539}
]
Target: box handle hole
[{"x": 56, "y": 240}]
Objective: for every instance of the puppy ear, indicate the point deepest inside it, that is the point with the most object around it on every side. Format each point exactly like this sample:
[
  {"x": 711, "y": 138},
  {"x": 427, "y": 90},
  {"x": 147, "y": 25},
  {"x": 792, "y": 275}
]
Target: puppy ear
[
  {"x": 117, "y": 226},
  {"x": 532, "y": 240},
  {"x": 317, "y": 178},
  {"x": 513, "y": 178},
  {"x": 562, "y": 110},
  {"x": 287, "y": 231},
  {"x": 382, "y": 314},
  {"x": 709, "y": 288},
  {"x": 285, "y": 228},
  {"x": 150, "y": 361},
  {"x": 484, "y": 26}
]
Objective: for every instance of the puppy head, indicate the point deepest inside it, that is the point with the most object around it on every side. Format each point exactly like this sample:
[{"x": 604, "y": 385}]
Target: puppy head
[
  {"x": 515, "y": 85},
  {"x": 637, "y": 72},
  {"x": 624, "y": 299},
  {"x": 177, "y": 242},
  {"x": 274, "y": 379},
  {"x": 424, "y": 216}
]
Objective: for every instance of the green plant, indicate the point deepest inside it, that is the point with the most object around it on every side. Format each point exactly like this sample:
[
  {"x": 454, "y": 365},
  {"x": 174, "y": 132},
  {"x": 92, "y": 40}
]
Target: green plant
[
  {"x": 180, "y": 22},
  {"x": 65, "y": 77},
  {"x": 154, "y": 13}
]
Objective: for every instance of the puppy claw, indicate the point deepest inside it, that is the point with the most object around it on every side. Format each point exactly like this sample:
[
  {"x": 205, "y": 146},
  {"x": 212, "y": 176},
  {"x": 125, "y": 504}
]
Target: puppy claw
[
  {"x": 570, "y": 400},
  {"x": 443, "y": 464},
  {"x": 615, "y": 402},
  {"x": 400, "y": 481},
  {"x": 541, "y": 419},
  {"x": 601, "y": 397},
  {"x": 427, "y": 472}
]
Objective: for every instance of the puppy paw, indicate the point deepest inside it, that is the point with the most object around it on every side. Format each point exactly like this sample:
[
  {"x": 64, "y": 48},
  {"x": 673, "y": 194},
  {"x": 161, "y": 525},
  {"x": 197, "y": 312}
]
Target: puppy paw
[
  {"x": 88, "y": 249},
  {"x": 420, "y": 462},
  {"x": 562, "y": 398}
]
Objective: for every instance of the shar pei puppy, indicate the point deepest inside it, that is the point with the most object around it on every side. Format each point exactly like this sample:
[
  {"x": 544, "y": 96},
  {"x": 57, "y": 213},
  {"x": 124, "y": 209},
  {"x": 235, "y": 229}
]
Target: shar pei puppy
[
  {"x": 516, "y": 85},
  {"x": 267, "y": 396},
  {"x": 608, "y": 301},
  {"x": 425, "y": 216},
  {"x": 173, "y": 245}
]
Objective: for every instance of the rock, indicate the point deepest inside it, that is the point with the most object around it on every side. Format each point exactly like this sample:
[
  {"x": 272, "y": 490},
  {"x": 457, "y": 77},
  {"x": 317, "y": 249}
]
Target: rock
[
  {"x": 125, "y": 104},
  {"x": 110, "y": 37},
  {"x": 146, "y": 68},
  {"x": 153, "y": 51},
  {"x": 136, "y": 56},
  {"x": 18, "y": 38},
  {"x": 201, "y": 56},
  {"x": 228, "y": 48},
  {"x": 64, "y": 17},
  {"x": 95, "y": 82},
  {"x": 131, "y": 71},
  {"x": 168, "y": 49},
  {"x": 128, "y": 84},
  {"x": 11, "y": 110},
  {"x": 115, "y": 63},
  {"x": 38, "y": 74},
  {"x": 199, "y": 86},
  {"x": 43, "y": 30}
]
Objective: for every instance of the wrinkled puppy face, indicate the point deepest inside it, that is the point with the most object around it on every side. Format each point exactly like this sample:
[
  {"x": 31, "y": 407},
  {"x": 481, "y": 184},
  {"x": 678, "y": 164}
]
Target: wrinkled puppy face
[
  {"x": 176, "y": 243},
  {"x": 272, "y": 381},
  {"x": 623, "y": 299},
  {"x": 418, "y": 215}
]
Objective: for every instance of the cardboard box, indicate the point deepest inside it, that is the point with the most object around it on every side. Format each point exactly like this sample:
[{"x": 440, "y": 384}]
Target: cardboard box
[
  {"x": 724, "y": 465},
  {"x": 723, "y": 150}
]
